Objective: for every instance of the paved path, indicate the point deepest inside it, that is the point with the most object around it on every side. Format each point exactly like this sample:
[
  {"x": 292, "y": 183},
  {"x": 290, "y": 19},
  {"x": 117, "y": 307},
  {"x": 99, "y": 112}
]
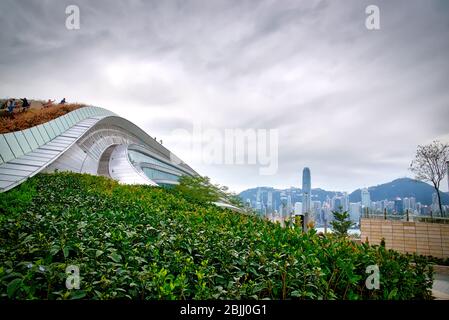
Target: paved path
[{"x": 440, "y": 289}]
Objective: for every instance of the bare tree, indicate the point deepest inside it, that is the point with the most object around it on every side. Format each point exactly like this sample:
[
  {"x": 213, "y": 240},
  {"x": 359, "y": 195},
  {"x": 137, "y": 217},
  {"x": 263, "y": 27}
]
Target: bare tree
[{"x": 430, "y": 165}]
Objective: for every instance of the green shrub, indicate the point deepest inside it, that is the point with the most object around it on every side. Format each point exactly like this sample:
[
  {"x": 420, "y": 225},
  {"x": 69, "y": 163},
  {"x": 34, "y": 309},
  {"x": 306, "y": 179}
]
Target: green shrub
[{"x": 141, "y": 242}]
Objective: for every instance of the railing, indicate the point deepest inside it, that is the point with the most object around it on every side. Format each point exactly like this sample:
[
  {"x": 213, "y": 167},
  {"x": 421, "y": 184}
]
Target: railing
[{"x": 407, "y": 216}]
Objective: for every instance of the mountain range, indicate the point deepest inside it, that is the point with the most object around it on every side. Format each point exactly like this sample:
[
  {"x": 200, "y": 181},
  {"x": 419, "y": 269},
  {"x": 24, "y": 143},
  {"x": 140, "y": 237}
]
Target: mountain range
[{"x": 403, "y": 187}]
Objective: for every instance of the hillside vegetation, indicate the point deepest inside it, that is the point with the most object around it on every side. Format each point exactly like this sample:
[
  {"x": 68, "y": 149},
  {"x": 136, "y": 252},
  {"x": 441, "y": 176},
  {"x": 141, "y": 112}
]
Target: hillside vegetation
[
  {"x": 33, "y": 117},
  {"x": 141, "y": 242}
]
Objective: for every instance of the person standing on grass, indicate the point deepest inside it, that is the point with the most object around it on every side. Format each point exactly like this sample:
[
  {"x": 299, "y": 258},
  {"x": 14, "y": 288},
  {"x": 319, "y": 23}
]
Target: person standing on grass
[
  {"x": 11, "y": 105},
  {"x": 25, "y": 104},
  {"x": 48, "y": 103}
]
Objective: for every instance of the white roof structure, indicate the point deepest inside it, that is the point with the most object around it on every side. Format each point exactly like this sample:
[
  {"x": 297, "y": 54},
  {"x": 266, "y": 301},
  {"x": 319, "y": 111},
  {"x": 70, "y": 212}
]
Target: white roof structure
[{"x": 88, "y": 140}]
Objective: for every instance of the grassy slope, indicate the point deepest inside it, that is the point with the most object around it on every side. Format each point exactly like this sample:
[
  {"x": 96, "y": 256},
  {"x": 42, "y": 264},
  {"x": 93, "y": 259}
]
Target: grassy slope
[
  {"x": 33, "y": 117},
  {"x": 143, "y": 242}
]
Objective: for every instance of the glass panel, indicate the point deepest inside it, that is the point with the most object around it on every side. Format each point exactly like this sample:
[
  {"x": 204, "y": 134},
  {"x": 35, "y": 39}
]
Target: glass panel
[
  {"x": 22, "y": 141},
  {"x": 57, "y": 127},
  {"x": 13, "y": 144},
  {"x": 43, "y": 133},
  {"x": 48, "y": 128},
  {"x": 65, "y": 122},
  {"x": 5, "y": 151},
  {"x": 83, "y": 113},
  {"x": 70, "y": 119},
  {"x": 136, "y": 157},
  {"x": 159, "y": 175},
  {"x": 37, "y": 136},
  {"x": 31, "y": 141},
  {"x": 76, "y": 115},
  {"x": 64, "y": 126}
]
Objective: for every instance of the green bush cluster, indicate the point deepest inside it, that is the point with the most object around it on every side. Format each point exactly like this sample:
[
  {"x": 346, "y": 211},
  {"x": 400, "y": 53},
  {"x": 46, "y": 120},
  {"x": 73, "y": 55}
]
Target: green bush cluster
[{"x": 141, "y": 242}]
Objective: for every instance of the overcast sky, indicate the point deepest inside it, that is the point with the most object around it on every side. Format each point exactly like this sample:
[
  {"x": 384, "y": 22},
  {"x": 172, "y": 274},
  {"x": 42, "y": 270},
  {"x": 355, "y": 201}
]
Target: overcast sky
[{"x": 350, "y": 103}]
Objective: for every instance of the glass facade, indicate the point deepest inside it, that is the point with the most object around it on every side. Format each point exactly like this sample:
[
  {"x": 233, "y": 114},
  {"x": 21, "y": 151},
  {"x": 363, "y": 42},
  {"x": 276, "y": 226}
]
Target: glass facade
[
  {"x": 156, "y": 175},
  {"x": 137, "y": 157}
]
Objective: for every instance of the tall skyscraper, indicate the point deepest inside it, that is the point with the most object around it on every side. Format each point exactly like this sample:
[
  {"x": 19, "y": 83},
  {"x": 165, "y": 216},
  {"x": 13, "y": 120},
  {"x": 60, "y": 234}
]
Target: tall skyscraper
[
  {"x": 398, "y": 205},
  {"x": 270, "y": 201},
  {"x": 306, "y": 196},
  {"x": 289, "y": 204},
  {"x": 366, "y": 199},
  {"x": 258, "y": 202},
  {"x": 345, "y": 201},
  {"x": 355, "y": 210},
  {"x": 306, "y": 189},
  {"x": 406, "y": 203}
]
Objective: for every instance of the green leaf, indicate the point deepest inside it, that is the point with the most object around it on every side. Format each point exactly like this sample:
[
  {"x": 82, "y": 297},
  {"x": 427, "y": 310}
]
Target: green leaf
[
  {"x": 66, "y": 251},
  {"x": 392, "y": 294},
  {"x": 115, "y": 257},
  {"x": 13, "y": 286},
  {"x": 98, "y": 253},
  {"x": 78, "y": 294}
]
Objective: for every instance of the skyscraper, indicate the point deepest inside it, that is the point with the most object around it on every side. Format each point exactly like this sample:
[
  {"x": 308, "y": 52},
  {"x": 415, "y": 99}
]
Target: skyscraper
[
  {"x": 306, "y": 189},
  {"x": 306, "y": 197},
  {"x": 398, "y": 205},
  {"x": 355, "y": 210},
  {"x": 345, "y": 201},
  {"x": 258, "y": 202},
  {"x": 270, "y": 201},
  {"x": 366, "y": 199}
]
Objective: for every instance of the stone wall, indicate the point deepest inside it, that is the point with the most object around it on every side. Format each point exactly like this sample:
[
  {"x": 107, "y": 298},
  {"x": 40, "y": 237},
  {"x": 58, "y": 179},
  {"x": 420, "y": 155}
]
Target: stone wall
[{"x": 420, "y": 237}]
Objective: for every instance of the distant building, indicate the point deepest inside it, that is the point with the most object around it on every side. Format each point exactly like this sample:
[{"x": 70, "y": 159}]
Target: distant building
[
  {"x": 337, "y": 204},
  {"x": 355, "y": 210},
  {"x": 406, "y": 203},
  {"x": 298, "y": 208},
  {"x": 366, "y": 199},
  {"x": 398, "y": 205},
  {"x": 289, "y": 204},
  {"x": 316, "y": 209},
  {"x": 435, "y": 206},
  {"x": 258, "y": 202},
  {"x": 306, "y": 190},
  {"x": 270, "y": 201},
  {"x": 306, "y": 195},
  {"x": 413, "y": 203}
]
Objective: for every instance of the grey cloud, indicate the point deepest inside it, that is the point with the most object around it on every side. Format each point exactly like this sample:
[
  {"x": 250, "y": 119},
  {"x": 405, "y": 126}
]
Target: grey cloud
[{"x": 352, "y": 104}]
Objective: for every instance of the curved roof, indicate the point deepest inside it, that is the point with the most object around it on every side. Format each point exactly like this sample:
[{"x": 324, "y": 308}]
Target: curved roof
[{"x": 25, "y": 153}]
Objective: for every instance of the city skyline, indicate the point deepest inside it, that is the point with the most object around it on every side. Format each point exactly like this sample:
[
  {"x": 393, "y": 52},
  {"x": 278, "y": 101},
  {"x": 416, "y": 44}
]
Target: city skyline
[
  {"x": 350, "y": 103},
  {"x": 321, "y": 211}
]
